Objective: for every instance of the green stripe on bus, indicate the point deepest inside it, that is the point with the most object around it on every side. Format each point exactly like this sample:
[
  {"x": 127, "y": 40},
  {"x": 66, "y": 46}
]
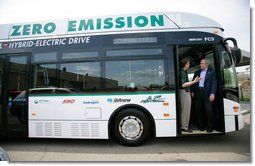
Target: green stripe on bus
[{"x": 99, "y": 94}]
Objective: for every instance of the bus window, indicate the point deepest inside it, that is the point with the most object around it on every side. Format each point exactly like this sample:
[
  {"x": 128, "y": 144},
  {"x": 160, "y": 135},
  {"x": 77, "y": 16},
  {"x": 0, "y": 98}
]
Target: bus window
[
  {"x": 74, "y": 76},
  {"x": 135, "y": 75},
  {"x": 84, "y": 76},
  {"x": 44, "y": 75},
  {"x": 135, "y": 40},
  {"x": 80, "y": 55},
  {"x": 46, "y": 56},
  {"x": 135, "y": 52}
]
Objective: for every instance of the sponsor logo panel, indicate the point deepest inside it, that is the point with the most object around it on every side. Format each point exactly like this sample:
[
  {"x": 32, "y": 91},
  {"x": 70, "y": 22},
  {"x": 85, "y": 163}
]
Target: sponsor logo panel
[
  {"x": 42, "y": 101},
  {"x": 91, "y": 102},
  {"x": 68, "y": 101},
  {"x": 154, "y": 99},
  {"x": 118, "y": 100}
]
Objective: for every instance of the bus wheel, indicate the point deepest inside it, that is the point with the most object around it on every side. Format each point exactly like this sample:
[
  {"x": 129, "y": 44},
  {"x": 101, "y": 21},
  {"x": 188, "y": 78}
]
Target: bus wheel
[{"x": 131, "y": 127}]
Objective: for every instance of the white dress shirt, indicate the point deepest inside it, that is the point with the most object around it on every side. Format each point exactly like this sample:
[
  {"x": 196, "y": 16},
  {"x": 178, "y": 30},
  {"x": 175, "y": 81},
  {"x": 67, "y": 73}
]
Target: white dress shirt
[{"x": 202, "y": 75}]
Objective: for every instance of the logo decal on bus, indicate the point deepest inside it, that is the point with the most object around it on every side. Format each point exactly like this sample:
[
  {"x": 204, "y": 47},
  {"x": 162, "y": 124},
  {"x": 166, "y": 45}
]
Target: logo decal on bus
[
  {"x": 155, "y": 99},
  {"x": 75, "y": 26},
  {"x": 91, "y": 102},
  {"x": 47, "y": 42},
  {"x": 42, "y": 101},
  {"x": 68, "y": 101},
  {"x": 118, "y": 100}
]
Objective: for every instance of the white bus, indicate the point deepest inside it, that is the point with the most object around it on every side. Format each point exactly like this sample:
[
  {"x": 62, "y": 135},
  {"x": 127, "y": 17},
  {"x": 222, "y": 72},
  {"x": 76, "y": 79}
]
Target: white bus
[{"x": 112, "y": 76}]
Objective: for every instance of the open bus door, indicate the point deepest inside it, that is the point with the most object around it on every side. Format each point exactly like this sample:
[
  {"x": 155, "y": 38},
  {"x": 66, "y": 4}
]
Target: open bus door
[{"x": 195, "y": 53}]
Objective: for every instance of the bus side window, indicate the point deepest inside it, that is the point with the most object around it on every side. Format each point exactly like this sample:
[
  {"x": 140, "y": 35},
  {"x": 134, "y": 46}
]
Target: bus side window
[
  {"x": 135, "y": 75},
  {"x": 82, "y": 76},
  {"x": 44, "y": 75}
]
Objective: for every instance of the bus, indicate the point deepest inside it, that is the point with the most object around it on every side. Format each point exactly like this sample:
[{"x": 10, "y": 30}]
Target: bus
[{"x": 112, "y": 76}]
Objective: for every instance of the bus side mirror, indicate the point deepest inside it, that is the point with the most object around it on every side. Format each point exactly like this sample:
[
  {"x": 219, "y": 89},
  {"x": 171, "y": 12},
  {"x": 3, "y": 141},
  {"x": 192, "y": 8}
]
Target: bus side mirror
[
  {"x": 236, "y": 52},
  {"x": 237, "y": 55}
]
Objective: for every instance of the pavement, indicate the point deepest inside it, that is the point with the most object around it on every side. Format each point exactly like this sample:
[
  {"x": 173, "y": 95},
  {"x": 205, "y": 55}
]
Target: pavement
[
  {"x": 246, "y": 107},
  {"x": 64, "y": 156}
]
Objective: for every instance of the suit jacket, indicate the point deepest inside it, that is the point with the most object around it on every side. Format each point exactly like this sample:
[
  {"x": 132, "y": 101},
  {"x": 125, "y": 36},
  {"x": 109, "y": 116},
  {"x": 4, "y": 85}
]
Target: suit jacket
[{"x": 210, "y": 83}]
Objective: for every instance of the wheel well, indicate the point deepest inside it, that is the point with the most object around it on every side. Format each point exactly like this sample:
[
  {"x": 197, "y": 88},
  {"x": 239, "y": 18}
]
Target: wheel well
[{"x": 140, "y": 108}]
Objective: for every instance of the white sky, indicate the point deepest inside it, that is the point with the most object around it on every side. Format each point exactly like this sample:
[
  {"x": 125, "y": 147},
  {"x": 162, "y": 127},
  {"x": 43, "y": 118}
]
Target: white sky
[{"x": 233, "y": 15}]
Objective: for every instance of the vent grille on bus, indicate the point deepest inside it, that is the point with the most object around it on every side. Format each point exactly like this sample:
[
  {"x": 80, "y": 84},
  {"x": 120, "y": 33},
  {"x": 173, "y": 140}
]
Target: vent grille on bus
[
  {"x": 95, "y": 130},
  {"x": 57, "y": 129},
  {"x": 66, "y": 129},
  {"x": 39, "y": 128},
  {"x": 84, "y": 129},
  {"x": 75, "y": 129},
  {"x": 48, "y": 129}
]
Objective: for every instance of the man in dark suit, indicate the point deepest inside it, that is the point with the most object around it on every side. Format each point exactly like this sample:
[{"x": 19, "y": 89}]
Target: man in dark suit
[{"x": 204, "y": 94}]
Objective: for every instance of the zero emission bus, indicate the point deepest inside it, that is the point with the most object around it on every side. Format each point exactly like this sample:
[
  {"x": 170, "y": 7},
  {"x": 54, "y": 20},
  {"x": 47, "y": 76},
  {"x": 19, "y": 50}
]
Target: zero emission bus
[{"x": 112, "y": 76}]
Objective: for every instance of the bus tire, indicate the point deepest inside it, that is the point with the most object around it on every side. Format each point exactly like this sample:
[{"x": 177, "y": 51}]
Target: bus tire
[{"x": 131, "y": 127}]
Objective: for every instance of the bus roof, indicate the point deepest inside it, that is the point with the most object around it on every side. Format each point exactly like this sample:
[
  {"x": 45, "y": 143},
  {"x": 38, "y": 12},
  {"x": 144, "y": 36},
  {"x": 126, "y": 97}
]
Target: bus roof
[{"x": 167, "y": 21}]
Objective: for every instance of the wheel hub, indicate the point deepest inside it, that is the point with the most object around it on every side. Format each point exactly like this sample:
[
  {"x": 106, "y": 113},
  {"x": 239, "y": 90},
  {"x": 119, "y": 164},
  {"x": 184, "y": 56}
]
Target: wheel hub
[{"x": 131, "y": 127}]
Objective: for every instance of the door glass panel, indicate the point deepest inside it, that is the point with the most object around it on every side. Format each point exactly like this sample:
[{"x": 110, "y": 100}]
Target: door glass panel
[
  {"x": 228, "y": 70},
  {"x": 2, "y": 60},
  {"x": 229, "y": 77},
  {"x": 16, "y": 95}
]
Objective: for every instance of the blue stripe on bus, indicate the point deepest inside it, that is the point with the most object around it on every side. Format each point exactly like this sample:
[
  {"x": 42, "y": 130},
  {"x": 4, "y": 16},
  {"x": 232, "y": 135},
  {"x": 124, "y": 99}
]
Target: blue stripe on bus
[{"x": 100, "y": 94}]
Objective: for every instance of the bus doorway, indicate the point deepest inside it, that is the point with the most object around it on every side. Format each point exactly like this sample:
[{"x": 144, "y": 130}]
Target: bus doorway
[
  {"x": 14, "y": 86},
  {"x": 200, "y": 116}
]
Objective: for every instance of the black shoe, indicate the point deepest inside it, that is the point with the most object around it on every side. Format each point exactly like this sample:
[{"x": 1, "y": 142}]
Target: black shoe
[
  {"x": 201, "y": 128},
  {"x": 190, "y": 131},
  {"x": 187, "y": 130},
  {"x": 209, "y": 130}
]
